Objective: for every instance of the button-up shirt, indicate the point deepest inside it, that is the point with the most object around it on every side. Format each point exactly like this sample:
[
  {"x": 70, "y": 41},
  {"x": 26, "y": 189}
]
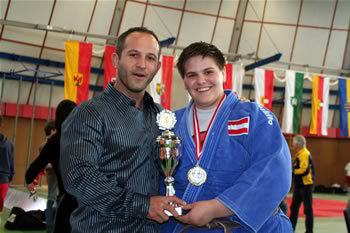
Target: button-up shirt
[{"x": 108, "y": 163}]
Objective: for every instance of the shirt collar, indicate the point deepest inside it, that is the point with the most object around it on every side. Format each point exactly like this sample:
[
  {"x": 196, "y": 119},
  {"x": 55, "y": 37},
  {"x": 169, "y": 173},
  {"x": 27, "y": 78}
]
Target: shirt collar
[{"x": 120, "y": 97}]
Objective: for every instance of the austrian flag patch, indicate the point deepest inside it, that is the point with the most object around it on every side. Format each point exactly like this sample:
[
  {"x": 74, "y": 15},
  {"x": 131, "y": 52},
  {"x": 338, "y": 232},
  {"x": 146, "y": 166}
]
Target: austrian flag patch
[{"x": 238, "y": 127}]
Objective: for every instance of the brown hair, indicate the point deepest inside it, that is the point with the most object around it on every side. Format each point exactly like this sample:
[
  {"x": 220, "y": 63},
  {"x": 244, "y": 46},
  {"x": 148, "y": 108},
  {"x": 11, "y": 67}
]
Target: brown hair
[
  {"x": 121, "y": 39},
  {"x": 200, "y": 49}
]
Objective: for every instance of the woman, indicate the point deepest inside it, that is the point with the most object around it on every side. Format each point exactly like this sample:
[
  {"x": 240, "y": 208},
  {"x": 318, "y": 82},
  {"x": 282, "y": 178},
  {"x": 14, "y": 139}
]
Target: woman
[
  {"x": 50, "y": 153},
  {"x": 235, "y": 163}
]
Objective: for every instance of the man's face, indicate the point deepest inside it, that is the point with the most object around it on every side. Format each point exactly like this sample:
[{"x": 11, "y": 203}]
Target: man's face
[
  {"x": 138, "y": 62},
  {"x": 204, "y": 81}
]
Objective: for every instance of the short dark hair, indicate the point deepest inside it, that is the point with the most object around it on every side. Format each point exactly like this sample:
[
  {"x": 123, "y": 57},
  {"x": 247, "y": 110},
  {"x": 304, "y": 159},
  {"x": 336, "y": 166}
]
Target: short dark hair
[
  {"x": 120, "y": 44},
  {"x": 200, "y": 49},
  {"x": 63, "y": 109},
  {"x": 49, "y": 127}
]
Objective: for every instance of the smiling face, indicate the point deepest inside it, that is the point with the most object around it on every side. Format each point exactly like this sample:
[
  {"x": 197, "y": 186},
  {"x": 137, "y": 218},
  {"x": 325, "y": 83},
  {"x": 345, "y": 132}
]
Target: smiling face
[
  {"x": 137, "y": 64},
  {"x": 204, "y": 81}
]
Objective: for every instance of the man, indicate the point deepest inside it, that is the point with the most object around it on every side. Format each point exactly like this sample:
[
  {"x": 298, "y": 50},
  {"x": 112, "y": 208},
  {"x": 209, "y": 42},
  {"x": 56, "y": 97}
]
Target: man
[
  {"x": 108, "y": 151},
  {"x": 6, "y": 167},
  {"x": 303, "y": 177},
  {"x": 235, "y": 162}
]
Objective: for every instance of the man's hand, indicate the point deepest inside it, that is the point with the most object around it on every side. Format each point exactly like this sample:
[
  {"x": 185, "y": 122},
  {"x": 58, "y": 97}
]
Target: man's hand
[
  {"x": 203, "y": 212},
  {"x": 31, "y": 187},
  {"x": 158, "y": 204}
]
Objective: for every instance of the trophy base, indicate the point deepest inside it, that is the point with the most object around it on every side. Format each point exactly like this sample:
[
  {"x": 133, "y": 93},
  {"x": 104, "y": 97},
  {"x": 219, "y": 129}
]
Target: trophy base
[{"x": 178, "y": 210}]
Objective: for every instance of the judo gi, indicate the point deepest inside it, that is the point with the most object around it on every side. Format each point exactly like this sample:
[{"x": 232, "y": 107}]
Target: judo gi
[{"x": 248, "y": 166}]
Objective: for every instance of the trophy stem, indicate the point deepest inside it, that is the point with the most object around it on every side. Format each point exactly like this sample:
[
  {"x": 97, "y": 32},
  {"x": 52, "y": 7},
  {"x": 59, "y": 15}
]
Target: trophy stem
[{"x": 169, "y": 184}]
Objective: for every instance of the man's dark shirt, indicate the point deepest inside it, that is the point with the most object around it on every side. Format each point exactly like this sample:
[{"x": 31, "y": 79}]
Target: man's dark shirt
[{"x": 108, "y": 162}]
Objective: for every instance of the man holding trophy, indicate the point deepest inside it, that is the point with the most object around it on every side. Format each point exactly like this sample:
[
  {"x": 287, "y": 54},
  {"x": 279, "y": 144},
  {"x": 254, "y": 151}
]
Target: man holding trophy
[
  {"x": 108, "y": 152},
  {"x": 235, "y": 163}
]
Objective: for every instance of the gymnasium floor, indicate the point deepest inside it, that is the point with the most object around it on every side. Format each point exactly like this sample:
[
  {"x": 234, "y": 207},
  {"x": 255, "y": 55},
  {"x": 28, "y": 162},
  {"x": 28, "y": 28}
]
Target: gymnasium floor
[{"x": 321, "y": 224}]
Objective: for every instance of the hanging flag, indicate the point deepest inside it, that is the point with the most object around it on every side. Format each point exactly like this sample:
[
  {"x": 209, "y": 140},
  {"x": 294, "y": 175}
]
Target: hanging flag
[
  {"x": 161, "y": 85},
  {"x": 344, "y": 93},
  {"x": 234, "y": 78},
  {"x": 110, "y": 70},
  {"x": 264, "y": 87},
  {"x": 77, "y": 70},
  {"x": 319, "y": 111},
  {"x": 293, "y": 102}
]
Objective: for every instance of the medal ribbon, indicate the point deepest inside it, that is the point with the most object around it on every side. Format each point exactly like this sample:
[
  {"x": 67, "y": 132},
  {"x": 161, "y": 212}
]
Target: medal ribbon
[{"x": 196, "y": 130}]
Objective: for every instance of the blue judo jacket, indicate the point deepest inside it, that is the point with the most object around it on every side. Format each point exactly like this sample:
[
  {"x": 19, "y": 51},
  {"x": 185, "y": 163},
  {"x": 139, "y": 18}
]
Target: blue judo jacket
[{"x": 248, "y": 164}]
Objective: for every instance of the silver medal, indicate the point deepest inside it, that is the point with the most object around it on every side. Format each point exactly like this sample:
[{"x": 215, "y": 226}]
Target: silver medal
[{"x": 197, "y": 176}]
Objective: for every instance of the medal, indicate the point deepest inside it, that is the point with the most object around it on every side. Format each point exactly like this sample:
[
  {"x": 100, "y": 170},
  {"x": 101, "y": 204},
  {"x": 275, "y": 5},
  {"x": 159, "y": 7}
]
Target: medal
[{"x": 197, "y": 176}]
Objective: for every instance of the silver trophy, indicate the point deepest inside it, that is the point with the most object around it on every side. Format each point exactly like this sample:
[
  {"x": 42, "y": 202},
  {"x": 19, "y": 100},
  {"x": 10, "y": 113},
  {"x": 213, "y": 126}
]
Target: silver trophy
[{"x": 170, "y": 151}]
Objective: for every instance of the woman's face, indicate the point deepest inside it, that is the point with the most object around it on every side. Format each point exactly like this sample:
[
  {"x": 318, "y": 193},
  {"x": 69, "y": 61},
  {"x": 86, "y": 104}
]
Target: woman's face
[{"x": 204, "y": 81}]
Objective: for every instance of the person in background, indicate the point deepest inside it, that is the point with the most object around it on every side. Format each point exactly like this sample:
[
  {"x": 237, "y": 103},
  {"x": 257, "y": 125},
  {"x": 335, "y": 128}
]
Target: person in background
[
  {"x": 52, "y": 191},
  {"x": 50, "y": 154},
  {"x": 347, "y": 177},
  {"x": 230, "y": 167},
  {"x": 7, "y": 167},
  {"x": 108, "y": 151},
  {"x": 303, "y": 177}
]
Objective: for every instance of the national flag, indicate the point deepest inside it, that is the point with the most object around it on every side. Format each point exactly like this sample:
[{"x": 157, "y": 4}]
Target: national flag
[
  {"x": 319, "y": 111},
  {"x": 110, "y": 70},
  {"x": 77, "y": 70},
  {"x": 161, "y": 85},
  {"x": 293, "y": 102},
  {"x": 264, "y": 80},
  {"x": 238, "y": 127},
  {"x": 234, "y": 78},
  {"x": 344, "y": 93}
]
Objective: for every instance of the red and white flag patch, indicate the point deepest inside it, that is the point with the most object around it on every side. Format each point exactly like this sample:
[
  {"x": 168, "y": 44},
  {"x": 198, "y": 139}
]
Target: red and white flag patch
[{"x": 238, "y": 127}]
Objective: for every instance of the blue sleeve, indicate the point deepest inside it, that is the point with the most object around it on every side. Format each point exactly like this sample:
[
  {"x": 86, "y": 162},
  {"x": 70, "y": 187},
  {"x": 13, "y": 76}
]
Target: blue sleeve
[
  {"x": 265, "y": 182},
  {"x": 82, "y": 143}
]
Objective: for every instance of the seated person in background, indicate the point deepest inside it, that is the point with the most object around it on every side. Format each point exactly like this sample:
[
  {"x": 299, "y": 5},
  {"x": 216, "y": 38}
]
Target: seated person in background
[{"x": 236, "y": 163}]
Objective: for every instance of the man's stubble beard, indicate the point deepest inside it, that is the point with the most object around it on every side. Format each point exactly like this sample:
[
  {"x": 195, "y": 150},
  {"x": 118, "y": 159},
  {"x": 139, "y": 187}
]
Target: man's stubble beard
[{"x": 125, "y": 82}]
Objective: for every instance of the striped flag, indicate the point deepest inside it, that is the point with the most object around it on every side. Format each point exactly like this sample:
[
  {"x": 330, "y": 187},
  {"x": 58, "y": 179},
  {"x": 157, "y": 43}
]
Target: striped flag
[
  {"x": 344, "y": 93},
  {"x": 238, "y": 127},
  {"x": 320, "y": 97},
  {"x": 234, "y": 78},
  {"x": 110, "y": 70},
  {"x": 293, "y": 102},
  {"x": 264, "y": 87},
  {"x": 161, "y": 85},
  {"x": 77, "y": 70}
]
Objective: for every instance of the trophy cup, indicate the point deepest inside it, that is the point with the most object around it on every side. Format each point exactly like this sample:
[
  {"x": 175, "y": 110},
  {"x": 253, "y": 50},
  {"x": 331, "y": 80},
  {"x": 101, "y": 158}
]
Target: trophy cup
[{"x": 170, "y": 151}]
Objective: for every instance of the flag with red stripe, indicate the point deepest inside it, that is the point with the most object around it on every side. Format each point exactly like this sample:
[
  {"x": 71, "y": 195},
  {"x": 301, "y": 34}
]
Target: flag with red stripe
[
  {"x": 77, "y": 70},
  {"x": 161, "y": 85},
  {"x": 234, "y": 78},
  {"x": 264, "y": 81},
  {"x": 238, "y": 127},
  {"x": 110, "y": 70},
  {"x": 320, "y": 102}
]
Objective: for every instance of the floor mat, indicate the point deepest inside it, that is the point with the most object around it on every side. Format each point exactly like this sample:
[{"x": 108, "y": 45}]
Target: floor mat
[{"x": 322, "y": 208}]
